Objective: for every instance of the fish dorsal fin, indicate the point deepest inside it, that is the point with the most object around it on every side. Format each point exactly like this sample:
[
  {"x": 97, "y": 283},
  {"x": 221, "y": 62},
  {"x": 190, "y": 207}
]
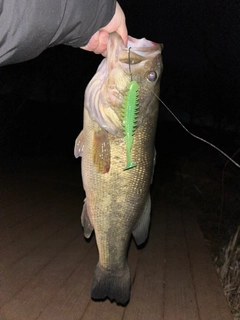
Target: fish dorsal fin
[
  {"x": 140, "y": 231},
  {"x": 79, "y": 145}
]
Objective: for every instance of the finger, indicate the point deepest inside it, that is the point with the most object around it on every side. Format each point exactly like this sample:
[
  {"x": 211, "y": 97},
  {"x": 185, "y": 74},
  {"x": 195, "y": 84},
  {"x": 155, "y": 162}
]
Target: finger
[
  {"x": 92, "y": 43},
  {"x": 104, "y": 54},
  {"x": 118, "y": 24},
  {"x": 122, "y": 31},
  {"x": 102, "y": 42}
]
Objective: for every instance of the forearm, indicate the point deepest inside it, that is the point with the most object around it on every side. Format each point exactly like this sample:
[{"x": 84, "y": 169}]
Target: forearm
[{"x": 29, "y": 27}]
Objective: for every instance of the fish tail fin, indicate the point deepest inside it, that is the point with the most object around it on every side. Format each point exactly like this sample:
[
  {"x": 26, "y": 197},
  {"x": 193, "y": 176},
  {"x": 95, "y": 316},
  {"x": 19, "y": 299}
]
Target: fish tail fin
[{"x": 114, "y": 285}]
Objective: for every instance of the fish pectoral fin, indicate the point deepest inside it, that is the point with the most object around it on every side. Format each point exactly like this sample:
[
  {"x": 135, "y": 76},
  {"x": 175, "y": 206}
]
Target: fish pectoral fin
[
  {"x": 112, "y": 284},
  {"x": 101, "y": 151},
  {"x": 88, "y": 228},
  {"x": 140, "y": 231},
  {"x": 79, "y": 145}
]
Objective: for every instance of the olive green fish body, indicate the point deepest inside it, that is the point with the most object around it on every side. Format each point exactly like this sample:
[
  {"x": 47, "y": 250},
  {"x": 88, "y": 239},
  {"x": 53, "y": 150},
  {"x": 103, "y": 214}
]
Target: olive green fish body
[{"x": 117, "y": 201}]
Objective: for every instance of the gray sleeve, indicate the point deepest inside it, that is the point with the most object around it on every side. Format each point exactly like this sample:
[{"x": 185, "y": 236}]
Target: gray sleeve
[{"x": 29, "y": 27}]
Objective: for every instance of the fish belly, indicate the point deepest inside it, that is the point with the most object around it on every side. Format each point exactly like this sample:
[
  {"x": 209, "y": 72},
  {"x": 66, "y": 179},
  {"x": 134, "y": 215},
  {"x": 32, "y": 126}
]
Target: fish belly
[{"x": 117, "y": 201}]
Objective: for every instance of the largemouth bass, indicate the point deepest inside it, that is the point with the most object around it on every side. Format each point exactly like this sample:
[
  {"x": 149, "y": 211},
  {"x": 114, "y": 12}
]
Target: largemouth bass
[{"x": 117, "y": 203}]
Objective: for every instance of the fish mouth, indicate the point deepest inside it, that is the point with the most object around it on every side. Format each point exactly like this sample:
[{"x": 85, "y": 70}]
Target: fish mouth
[
  {"x": 144, "y": 47},
  {"x": 139, "y": 49}
]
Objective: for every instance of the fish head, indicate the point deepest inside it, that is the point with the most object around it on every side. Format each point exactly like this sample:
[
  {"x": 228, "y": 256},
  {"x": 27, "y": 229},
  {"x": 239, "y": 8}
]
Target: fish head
[{"x": 140, "y": 61}]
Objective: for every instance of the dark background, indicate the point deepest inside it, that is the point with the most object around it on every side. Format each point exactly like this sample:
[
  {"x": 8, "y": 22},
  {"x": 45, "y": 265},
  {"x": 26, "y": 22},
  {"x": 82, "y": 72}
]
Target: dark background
[
  {"x": 41, "y": 107},
  {"x": 41, "y": 101}
]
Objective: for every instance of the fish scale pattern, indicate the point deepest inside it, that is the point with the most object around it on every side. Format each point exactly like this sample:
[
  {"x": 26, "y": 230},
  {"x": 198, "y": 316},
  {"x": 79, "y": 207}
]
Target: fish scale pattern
[{"x": 118, "y": 201}]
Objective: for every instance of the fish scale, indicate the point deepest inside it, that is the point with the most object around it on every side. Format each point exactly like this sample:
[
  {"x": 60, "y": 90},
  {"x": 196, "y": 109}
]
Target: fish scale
[{"x": 132, "y": 187}]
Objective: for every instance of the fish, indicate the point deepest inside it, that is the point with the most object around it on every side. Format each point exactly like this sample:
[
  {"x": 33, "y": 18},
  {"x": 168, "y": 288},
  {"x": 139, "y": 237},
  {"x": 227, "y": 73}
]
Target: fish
[{"x": 118, "y": 204}]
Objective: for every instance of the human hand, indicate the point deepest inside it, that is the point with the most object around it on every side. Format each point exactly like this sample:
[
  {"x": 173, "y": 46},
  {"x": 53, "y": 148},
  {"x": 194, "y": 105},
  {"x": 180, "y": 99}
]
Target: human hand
[{"x": 98, "y": 42}]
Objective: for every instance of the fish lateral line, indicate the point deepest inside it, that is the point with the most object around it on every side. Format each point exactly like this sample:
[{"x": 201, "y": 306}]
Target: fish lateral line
[{"x": 195, "y": 136}]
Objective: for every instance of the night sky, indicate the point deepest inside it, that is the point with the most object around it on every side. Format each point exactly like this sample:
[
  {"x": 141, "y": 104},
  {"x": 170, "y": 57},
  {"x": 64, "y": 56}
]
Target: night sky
[{"x": 41, "y": 101}]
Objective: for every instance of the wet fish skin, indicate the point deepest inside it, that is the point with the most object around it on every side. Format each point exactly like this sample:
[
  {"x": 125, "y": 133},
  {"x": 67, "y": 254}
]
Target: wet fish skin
[{"x": 118, "y": 202}]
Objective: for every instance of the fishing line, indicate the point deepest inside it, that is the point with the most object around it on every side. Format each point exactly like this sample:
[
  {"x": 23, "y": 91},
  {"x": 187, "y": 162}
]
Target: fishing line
[
  {"x": 189, "y": 132},
  {"x": 195, "y": 136}
]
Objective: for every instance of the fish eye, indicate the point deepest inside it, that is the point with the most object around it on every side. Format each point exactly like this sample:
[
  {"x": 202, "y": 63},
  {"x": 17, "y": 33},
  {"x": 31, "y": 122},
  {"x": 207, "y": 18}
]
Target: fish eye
[{"x": 151, "y": 76}]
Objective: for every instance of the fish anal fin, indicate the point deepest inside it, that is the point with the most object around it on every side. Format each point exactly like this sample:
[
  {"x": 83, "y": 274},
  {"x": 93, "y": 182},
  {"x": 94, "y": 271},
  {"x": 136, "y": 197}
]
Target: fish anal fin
[
  {"x": 112, "y": 284},
  {"x": 79, "y": 145},
  {"x": 140, "y": 231},
  {"x": 101, "y": 151},
  {"x": 88, "y": 228}
]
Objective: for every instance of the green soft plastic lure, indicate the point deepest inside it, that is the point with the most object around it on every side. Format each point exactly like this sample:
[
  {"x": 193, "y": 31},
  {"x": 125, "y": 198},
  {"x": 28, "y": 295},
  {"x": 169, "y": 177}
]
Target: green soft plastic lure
[{"x": 129, "y": 113}]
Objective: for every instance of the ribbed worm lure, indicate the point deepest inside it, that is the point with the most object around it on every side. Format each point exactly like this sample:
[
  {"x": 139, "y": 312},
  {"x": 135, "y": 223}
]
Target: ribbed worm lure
[{"x": 129, "y": 114}]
